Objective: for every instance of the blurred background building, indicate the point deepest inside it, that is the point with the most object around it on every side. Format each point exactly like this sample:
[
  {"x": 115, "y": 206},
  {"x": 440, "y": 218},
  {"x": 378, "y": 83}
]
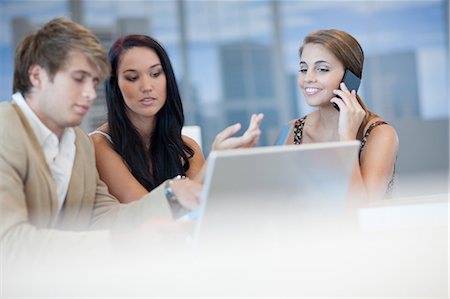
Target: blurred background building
[{"x": 233, "y": 58}]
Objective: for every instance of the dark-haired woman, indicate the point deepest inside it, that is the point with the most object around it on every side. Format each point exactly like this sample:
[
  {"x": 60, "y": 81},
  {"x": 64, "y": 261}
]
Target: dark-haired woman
[{"x": 141, "y": 144}]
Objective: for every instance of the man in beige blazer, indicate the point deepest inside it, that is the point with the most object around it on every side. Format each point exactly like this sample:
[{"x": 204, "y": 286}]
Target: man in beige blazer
[{"x": 51, "y": 198}]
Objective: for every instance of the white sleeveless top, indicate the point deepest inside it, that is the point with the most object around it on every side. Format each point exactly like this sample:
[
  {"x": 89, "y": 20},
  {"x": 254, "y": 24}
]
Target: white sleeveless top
[{"x": 96, "y": 132}]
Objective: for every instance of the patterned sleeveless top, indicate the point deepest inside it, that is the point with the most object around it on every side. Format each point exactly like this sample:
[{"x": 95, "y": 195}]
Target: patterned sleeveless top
[{"x": 298, "y": 135}]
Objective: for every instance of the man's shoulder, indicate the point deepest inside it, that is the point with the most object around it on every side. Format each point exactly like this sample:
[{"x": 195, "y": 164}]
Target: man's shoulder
[
  {"x": 7, "y": 116},
  {"x": 81, "y": 135},
  {"x": 6, "y": 107},
  {"x": 84, "y": 143},
  {"x": 12, "y": 131}
]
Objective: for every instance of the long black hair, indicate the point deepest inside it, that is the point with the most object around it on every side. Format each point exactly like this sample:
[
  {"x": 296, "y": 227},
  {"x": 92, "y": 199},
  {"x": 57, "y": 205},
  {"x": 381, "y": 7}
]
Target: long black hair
[{"x": 167, "y": 155}]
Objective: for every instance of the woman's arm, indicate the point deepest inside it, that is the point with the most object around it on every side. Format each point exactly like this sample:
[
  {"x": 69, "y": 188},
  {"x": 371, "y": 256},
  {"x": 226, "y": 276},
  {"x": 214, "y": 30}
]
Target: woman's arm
[
  {"x": 115, "y": 173},
  {"x": 377, "y": 161},
  {"x": 197, "y": 161}
]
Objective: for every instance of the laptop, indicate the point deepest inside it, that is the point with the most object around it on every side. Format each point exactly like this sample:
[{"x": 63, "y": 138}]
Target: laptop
[{"x": 246, "y": 189}]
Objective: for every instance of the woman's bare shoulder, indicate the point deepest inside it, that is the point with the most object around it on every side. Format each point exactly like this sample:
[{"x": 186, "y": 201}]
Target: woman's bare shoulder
[
  {"x": 101, "y": 135},
  {"x": 191, "y": 143},
  {"x": 383, "y": 133}
]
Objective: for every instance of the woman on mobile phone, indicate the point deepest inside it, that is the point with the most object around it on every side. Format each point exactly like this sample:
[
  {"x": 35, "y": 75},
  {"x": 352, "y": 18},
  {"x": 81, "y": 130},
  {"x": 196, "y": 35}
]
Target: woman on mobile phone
[{"x": 325, "y": 56}]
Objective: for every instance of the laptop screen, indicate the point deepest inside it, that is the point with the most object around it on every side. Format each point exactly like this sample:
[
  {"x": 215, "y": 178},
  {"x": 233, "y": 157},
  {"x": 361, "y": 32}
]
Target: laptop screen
[{"x": 261, "y": 183}]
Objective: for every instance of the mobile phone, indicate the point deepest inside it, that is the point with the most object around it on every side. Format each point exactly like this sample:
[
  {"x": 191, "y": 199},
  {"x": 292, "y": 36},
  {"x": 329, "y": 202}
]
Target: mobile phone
[{"x": 351, "y": 81}]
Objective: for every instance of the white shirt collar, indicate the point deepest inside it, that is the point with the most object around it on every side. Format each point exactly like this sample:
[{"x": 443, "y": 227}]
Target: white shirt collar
[
  {"x": 39, "y": 129},
  {"x": 44, "y": 135},
  {"x": 59, "y": 154}
]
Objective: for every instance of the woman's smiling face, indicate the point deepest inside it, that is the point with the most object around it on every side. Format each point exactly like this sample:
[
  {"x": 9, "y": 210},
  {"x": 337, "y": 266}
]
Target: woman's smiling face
[{"x": 320, "y": 73}]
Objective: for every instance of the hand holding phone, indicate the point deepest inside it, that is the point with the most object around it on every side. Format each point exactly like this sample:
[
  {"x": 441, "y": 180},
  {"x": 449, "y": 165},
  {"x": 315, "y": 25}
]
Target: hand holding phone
[{"x": 351, "y": 81}]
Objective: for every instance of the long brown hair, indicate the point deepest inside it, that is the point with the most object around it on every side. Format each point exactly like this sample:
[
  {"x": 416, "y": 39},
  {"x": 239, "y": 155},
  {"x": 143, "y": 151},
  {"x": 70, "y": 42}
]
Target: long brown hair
[{"x": 349, "y": 52}]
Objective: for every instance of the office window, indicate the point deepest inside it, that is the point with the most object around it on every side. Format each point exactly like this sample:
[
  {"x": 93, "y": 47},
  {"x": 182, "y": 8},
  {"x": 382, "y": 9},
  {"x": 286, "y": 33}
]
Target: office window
[{"x": 237, "y": 57}]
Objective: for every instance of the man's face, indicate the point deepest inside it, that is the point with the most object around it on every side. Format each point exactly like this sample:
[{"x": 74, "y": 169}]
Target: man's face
[{"x": 65, "y": 100}]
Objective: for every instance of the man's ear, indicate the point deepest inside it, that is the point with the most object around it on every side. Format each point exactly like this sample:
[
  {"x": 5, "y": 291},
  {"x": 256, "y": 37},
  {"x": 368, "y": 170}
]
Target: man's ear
[{"x": 37, "y": 75}]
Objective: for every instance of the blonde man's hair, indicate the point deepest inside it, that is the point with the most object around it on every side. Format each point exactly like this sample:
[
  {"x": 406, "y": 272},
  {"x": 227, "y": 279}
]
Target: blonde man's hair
[{"x": 50, "y": 47}]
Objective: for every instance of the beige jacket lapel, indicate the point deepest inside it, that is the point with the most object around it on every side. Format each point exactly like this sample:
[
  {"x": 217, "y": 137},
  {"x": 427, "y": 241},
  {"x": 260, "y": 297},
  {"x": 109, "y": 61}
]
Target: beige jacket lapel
[
  {"x": 78, "y": 200},
  {"x": 53, "y": 200}
]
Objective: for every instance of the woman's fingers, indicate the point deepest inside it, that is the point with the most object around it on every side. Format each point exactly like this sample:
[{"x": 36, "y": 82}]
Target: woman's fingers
[
  {"x": 225, "y": 140},
  {"x": 228, "y": 132}
]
